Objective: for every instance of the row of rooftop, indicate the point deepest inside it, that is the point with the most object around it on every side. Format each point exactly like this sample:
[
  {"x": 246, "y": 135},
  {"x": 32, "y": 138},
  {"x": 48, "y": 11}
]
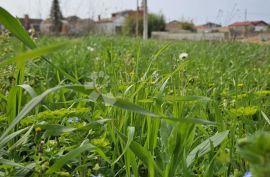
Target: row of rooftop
[
  {"x": 248, "y": 26},
  {"x": 74, "y": 25}
]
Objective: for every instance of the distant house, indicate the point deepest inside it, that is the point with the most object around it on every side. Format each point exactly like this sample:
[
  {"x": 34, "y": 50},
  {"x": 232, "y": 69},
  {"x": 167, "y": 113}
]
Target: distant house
[
  {"x": 176, "y": 26},
  {"x": 72, "y": 25},
  {"x": 223, "y": 29},
  {"x": 114, "y": 24},
  {"x": 46, "y": 26},
  {"x": 208, "y": 27},
  {"x": 31, "y": 23},
  {"x": 118, "y": 18},
  {"x": 104, "y": 26},
  {"x": 248, "y": 27},
  {"x": 173, "y": 26}
]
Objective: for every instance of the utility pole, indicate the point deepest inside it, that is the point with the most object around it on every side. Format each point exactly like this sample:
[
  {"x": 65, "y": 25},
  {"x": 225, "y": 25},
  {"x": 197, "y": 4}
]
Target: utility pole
[
  {"x": 245, "y": 14},
  {"x": 89, "y": 13},
  {"x": 145, "y": 20},
  {"x": 137, "y": 19},
  {"x": 246, "y": 30}
]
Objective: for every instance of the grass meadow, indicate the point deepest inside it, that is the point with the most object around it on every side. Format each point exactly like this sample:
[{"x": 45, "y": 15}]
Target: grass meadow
[{"x": 119, "y": 106}]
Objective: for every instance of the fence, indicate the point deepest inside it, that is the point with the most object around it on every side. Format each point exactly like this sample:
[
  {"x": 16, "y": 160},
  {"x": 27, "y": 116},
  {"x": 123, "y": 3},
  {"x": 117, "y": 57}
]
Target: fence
[{"x": 189, "y": 36}]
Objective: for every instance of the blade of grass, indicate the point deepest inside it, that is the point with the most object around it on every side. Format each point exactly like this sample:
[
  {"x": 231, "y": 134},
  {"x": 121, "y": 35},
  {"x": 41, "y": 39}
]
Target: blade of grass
[
  {"x": 205, "y": 146},
  {"x": 23, "y": 57},
  {"x": 3, "y": 97},
  {"x": 29, "y": 90},
  {"x": 186, "y": 98},
  {"x": 144, "y": 155},
  {"x": 265, "y": 117},
  {"x": 11, "y": 163},
  {"x": 70, "y": 156},
  {"x": 131, "y": 131},
  {"x": 22, "y": 140},
  {"x": 123, "y": 104},
  {"x": 14, "y": 26},
  {"x": 55, "y": 130},
  {"x": 31, "y": 105},
  {"x": 5, "y": 139}
]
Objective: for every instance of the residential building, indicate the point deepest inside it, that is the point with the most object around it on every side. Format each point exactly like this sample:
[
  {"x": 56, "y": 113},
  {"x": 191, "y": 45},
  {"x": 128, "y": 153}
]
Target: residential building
[
  {"x": 74, "y": 25},
  {"x": 208, "y": 27},
  {"x": 176, "y": 26},
  {"x": 31, "y": 23},
  {"x": 104, "y": 26},
  {"x": 114, "y": 24},
  {"x": 71, "y": 25},
  {"x": 248, "y": 27}
]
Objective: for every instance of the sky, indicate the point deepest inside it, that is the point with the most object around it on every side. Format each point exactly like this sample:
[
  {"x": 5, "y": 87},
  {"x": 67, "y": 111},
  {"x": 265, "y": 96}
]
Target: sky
[{"x": 200, "y": 11}]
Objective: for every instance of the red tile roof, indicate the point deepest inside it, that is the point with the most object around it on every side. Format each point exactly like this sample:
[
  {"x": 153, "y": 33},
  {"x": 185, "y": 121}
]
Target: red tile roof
[
  {"x": 201, "y": 27},
  {"x": 105, "y": 20},
  {"x": 128, "y": 12},
  {"x": 249, "y": 23}
]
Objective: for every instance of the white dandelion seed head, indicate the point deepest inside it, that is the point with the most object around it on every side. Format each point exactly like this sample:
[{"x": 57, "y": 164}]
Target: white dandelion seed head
[
  {"x": 91, "y": 49},
  {"x": 183, "y": 56}
]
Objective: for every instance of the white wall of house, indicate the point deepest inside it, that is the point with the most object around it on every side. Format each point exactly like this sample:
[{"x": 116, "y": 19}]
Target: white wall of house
[
  {"x": 261, "y": 28},
  {"x": 45, "y": 27},
  {"x": 110, "y": 27},
  {"x": 81, "y": 27},
  {"x": 189, "y": 36},
  {"x": 105, "y": 28},
  {"x": 119, "y": 21}
]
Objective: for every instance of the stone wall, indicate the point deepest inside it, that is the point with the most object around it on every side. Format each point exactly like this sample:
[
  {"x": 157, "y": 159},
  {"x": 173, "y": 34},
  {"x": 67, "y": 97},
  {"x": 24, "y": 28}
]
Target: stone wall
[
  {"x": 189, "y": 36},
  {"x": 105, "y": 28}
]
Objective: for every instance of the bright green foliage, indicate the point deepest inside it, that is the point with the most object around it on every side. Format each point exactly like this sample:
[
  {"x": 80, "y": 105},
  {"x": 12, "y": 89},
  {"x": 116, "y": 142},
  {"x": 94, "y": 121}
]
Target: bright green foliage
[
  {"x": 256, "y": 149},
  {"x": 136, "y": 109},
  {"x": 244, "y": 111},
  {"x": 14, "y": 26}
]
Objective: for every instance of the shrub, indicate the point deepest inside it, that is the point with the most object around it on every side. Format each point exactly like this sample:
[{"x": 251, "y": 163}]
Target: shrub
[
  {"x": 187, "y": 26},
  {"x": 155, "y": 23}
]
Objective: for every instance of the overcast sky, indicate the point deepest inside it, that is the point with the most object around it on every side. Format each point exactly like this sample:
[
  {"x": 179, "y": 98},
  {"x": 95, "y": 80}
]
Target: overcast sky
[{"x": 200, "y": 11}]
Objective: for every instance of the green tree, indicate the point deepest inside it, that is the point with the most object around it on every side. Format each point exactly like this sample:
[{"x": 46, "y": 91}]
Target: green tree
[
  {"x": 187, "y": 25},
  {"x": 155, "y": 23},
  {"x": 56, "y": 16}
]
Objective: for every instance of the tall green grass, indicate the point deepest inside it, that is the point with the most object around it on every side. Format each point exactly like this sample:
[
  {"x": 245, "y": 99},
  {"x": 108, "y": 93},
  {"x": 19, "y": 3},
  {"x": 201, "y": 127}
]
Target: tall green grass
[{"x": 126, "y": 107}]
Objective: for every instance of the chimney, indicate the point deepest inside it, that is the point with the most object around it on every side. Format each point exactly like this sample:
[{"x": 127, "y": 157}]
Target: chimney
[
  {"x": 26, "y": 22},
  {"x": 99, "y": 17}
]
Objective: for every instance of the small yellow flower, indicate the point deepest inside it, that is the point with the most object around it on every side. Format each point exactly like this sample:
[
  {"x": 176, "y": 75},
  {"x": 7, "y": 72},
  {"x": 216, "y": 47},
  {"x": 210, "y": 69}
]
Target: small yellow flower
[
  {"x": 239, "y": 97},
  {"x": 240, "y": 85},
  {"x": 263, "y": 93},
  {"x": 38, "y": 129},
  {"x": 244, "y": 111}
]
